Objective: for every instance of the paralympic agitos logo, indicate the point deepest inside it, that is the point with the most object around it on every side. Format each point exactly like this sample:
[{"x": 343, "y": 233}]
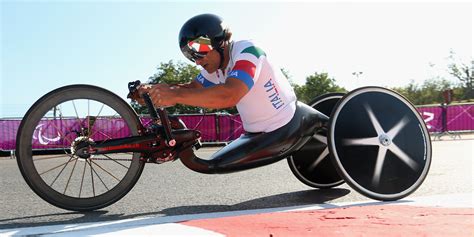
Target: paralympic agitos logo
[{"x": 45, "y": 139}]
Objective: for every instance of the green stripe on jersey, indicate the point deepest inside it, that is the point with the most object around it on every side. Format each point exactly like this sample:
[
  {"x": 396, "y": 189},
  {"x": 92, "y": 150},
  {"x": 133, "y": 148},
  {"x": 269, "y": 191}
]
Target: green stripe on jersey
[{"x": 255, "y": 51}]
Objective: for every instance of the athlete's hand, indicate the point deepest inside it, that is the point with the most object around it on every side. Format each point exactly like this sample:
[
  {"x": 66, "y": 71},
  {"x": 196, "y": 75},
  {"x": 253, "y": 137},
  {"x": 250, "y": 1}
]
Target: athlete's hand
[
  {"x": 163, "y": 95},
  {"x": 142, "y": 89}
]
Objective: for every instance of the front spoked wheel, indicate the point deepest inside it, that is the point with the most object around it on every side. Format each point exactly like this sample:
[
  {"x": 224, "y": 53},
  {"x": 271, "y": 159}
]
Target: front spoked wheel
[{"x": 63, "y": 121}]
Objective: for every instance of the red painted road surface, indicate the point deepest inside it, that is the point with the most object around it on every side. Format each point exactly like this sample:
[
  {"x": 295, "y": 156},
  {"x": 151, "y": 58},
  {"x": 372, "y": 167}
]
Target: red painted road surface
[
  {"x": 378, "y": 220},
  {"x": 442, "y": 215}
]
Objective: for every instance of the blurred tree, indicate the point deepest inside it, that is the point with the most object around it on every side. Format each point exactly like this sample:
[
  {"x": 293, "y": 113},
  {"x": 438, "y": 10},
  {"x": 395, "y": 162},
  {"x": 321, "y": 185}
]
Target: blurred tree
[
  {"x": 286, "y": 73},
  {"x": 430, "y": 92},
  {"x": 177, "y": 73},
  {"x": 464, "y": 73},
  {"x": 316, "y": 84}
]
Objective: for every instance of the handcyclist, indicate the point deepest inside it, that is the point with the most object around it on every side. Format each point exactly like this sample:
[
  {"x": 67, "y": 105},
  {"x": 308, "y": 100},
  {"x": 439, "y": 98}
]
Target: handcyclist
[{"x": 234, "y": 73}]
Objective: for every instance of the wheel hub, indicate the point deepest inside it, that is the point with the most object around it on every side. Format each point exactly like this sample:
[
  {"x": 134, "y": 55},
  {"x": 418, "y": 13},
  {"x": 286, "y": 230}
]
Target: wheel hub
[
  {"x": 385, "y": 139},
  {"x": 79, "y": 147}
]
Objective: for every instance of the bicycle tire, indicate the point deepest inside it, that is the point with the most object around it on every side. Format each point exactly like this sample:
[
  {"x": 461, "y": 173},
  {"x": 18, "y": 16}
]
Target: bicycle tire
[
  {"x": 27, "y": 166},
  {"x": 323, "y": 176},
  {"x": 379, "y": 143}
]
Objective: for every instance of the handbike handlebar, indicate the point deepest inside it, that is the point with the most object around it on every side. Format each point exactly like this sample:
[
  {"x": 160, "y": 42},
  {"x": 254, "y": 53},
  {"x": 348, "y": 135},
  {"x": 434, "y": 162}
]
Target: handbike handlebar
[{"x": 155, "y": 114}]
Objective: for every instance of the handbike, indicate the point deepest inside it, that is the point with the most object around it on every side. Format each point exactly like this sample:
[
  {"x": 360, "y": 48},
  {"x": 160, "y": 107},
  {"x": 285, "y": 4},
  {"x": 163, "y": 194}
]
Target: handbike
[{"x": 372, "y": 138}]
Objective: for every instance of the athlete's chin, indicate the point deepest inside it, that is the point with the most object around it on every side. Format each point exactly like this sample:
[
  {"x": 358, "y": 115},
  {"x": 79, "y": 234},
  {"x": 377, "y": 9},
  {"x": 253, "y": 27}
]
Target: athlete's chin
[{"x": 210, "y": 70}]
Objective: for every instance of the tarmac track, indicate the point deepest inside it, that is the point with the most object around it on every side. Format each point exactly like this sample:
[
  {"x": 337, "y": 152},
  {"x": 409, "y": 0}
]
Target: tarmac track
[{"x": 169, "y": 193}]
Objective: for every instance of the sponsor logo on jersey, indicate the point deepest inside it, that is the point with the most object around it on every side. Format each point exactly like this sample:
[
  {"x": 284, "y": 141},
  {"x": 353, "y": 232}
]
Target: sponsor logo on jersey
[
  {"x": 234, "y": 74},
  {"x": 273, "y": 95},
  {"x": 200, "y": 78}
]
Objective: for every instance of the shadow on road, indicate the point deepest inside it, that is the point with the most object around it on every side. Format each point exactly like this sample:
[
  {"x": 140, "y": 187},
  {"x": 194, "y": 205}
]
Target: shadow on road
[{"x": 299, "y": 198}]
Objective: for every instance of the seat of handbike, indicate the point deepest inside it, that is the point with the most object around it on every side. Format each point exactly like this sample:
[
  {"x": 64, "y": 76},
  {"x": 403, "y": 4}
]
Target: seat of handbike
[{"x": 257, "y": 149}]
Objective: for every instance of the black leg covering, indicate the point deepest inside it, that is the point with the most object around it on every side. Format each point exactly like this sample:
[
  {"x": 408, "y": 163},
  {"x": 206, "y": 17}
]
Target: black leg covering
[{"x": 254, "y": 150}]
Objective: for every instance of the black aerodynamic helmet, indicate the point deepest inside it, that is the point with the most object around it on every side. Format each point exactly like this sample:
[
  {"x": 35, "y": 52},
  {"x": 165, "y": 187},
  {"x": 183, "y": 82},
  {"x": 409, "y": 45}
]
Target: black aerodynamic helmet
[{"x": 201, "y": 34}]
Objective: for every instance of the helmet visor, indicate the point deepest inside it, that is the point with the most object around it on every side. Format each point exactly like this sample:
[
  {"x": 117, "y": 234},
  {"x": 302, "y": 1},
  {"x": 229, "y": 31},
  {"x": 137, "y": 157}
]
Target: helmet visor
[{"x": 197, "y": 49}]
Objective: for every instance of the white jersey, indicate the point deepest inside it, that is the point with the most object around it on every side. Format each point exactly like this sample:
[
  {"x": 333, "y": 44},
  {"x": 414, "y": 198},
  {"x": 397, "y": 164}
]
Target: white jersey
[{"x": 270, "y": 102}]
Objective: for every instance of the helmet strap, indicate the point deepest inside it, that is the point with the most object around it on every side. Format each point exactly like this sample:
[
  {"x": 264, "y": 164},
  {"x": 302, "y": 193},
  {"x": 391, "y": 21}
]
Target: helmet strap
[{"x": 221, "y": 54}]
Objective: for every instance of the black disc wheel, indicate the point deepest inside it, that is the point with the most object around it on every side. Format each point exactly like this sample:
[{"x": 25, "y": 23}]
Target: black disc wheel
[
  {"x": 311, "y": 164},
  {"x": 60, "y": 123},
  {"x": 379, "y": 143}
]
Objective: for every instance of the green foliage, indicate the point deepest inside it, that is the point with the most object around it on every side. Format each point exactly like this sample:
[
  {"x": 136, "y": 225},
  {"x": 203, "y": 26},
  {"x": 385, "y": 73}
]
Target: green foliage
[
  {"x": 177, "y": 73},
  {"x": 316, "y": 85},
  {"x": 430, "y": 92},
  {"x": 172, "y": 73},
  {"x": 465, "y": 74}
]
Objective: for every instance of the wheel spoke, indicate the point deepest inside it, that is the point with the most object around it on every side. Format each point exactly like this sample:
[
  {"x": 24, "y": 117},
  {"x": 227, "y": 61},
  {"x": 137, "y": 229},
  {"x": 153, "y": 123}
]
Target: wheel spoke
[
  {"x": 379, "y": 165},
  {"x": 319, "y": 159},
  {"x": 321, "y": 138},
  {"x": 369, "y": 141},
  {"x": 403, "y": 156},
  {"x": 378, "y": 128},
  {"x": 92, "y": 177},
  {"x": 65, "y": 163},
  {"x": 105, "y": 170},
  {"x": 70, "y": 175},
  {"x": 52, "y": 157},
  {"x": 54, "y": 146},
  {"x": 60, "y": 172},
  {"x": 108, "y": 137},
  {"x": 393, "y": 132},
  {"x": 101, "y": 132},
  {"x": 88, "y": 119},
  {"x": 115, "y": 161},
  {"x": 97, "y": 117},
  {"x": 100, "y": 111},
  {"x": 78, "y": 118},
  {"x": 62, "y": 135},
  {"x": 82, "y": 180},
  {"x": 98, "y": 176}
]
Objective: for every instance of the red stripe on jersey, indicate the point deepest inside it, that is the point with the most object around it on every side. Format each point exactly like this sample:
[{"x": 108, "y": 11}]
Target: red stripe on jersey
[{"x": 245, "y": 66}]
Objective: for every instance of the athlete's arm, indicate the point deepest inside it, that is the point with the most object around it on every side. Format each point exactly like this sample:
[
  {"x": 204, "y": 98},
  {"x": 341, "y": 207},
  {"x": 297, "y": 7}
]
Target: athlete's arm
[
  {"x": 191, "y": 85},
  {"x": 216, "y": 97}
]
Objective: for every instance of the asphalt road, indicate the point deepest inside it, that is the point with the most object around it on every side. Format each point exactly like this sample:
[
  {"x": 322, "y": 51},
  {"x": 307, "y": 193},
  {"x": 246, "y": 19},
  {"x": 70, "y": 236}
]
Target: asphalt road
[{"x": 171, "y": 189}]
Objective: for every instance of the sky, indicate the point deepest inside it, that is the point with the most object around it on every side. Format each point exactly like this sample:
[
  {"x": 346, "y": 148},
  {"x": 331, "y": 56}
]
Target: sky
[{"x": 107, "y": 43}]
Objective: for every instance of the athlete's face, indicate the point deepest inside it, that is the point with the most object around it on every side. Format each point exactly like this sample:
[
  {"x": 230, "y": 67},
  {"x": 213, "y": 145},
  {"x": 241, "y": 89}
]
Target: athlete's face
[{"x": 210, "y": 62}]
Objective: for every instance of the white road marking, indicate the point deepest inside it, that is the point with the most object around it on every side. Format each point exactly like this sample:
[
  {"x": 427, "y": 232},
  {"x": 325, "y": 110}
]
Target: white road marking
[{"x": 167, "y": 226}]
